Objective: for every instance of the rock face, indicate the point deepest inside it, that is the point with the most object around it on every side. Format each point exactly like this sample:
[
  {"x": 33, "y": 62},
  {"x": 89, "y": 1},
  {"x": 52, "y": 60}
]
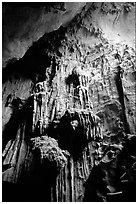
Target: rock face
[
  {"x": 69, "y": 102},
  {"x": 25, "y": 23}
]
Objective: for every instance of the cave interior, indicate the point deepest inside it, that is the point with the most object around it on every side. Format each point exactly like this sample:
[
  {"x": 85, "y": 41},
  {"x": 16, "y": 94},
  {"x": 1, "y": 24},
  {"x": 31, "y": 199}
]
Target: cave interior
[{"x": 69, "y": 102}]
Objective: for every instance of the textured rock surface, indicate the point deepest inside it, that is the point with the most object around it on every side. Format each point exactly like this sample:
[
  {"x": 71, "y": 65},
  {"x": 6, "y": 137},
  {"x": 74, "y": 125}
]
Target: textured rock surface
[
  {"x": 25, "y": 23},
  {"x": 76, "y": 84}
]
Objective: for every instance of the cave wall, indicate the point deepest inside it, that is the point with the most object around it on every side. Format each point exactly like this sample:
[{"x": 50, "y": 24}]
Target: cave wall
[
  {"x": 87, "y": 65},
  {"x": 24, "y": 23}
]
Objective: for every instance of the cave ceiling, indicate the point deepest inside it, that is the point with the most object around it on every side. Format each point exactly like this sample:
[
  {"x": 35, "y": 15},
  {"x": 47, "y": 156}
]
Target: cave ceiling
[{"x": 26, "y": 23}]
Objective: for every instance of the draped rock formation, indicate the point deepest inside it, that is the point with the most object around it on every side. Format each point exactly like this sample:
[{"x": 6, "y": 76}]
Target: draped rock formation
[{"x": 69, "y": 110}]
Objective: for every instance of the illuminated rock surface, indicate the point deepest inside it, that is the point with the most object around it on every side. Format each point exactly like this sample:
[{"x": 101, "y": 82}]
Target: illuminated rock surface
[{"x": 69, "y": 117}]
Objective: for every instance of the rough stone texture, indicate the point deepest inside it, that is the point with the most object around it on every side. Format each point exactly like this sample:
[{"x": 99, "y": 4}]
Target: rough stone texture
[
  {"x": 25, "y": 23},
  {"x": 72, "y": 76}
]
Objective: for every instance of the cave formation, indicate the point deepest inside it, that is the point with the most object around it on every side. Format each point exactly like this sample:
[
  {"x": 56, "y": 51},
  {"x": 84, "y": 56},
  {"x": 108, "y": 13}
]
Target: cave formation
[{"x": 69, "y": 102}]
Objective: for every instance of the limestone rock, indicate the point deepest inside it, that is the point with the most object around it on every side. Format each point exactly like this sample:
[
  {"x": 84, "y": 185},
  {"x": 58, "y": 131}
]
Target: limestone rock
[{"x": 75, "y": 83}]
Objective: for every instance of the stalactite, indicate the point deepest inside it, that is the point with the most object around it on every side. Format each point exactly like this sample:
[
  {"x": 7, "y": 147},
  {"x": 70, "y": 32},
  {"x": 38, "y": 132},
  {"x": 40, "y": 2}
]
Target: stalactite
[{"x": 63, "y": 108}]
